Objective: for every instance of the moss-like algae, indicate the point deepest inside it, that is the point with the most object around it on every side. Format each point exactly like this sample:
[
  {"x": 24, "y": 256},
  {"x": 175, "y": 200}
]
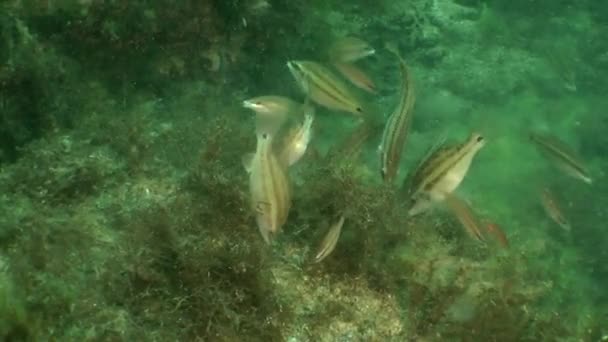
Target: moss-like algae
[{"x": 124, "y": 212}]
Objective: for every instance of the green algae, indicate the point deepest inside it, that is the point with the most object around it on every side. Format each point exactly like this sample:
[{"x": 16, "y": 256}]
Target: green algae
[{"x": 124, "y": 207}]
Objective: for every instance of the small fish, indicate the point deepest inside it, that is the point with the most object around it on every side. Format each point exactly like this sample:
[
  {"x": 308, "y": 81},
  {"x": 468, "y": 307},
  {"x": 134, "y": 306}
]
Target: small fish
[
  {"x": 272, "y": 106},
  {"x": 323, "y": 87},
  {"x": 469, "y": 220},
  {"x": 397, "y": 125},
  {"x": 356, "y": 76},
  {"x": 350, "y": 49},
  {"x": 350, "y": 148},
  {"x": 268, "y": 184},
  {"x": 329, "y": 241},
  {"x": 296, "y": 142},
  {"x": 258, "y": 7},
  {"x": 562, "y": 156},
  {"x": 441, "y": 173},
  {"x": 553, "y": 209},
  {"x": 494, "y": 230}
]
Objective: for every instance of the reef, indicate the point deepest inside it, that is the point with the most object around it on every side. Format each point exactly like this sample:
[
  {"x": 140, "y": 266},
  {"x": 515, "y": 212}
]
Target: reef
[{"x": 124, "y": 207}]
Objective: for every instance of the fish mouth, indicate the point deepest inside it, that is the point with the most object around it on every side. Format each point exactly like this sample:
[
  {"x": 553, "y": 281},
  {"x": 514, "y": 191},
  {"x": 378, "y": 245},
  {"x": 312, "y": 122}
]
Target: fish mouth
[
  {"x": 294, "y": 69},
  {"x": 369, "y": 52},
  {"x": 250, "y": 105},
  {"x": 296, "y": 72},
  {"x": 247, "y": 104}
]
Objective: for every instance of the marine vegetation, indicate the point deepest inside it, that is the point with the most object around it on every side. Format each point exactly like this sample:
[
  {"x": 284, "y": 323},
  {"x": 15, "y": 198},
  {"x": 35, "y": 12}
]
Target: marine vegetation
[{"x": 270, "y": 170}]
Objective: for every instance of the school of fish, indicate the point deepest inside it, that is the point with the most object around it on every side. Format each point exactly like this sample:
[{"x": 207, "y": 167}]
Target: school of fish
[{"x": 333, "y": 84}]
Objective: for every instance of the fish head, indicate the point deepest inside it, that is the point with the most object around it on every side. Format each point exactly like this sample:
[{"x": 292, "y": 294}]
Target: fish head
[
  {"x": 271, "y": 105},
  {"x": 257, "y": 104},
  {"x": 298, "y": 72},
  {"x": 419, "y": 204},
  {"x": 350, "y": 49},
  {"x": 476, "y": 142}
]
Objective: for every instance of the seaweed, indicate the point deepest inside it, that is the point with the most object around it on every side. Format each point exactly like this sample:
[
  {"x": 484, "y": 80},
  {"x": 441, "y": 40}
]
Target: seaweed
[{"x": 124, "y": 207}]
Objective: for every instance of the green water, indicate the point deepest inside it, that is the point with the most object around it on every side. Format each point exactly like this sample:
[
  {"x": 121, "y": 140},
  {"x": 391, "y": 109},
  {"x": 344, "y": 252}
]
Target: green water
[{"x": 125, "y": 211}]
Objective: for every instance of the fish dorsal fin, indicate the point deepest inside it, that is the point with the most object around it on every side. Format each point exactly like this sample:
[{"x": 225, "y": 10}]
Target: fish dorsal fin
[
  {"x": 440, "y": 146},
  {"x": 247, "y": 160}
]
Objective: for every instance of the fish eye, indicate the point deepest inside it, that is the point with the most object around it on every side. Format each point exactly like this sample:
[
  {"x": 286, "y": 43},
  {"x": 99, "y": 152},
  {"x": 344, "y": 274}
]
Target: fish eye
[
  {"x": 479, "y": 138},
  {"x": 359, "y": 109},
  {"x": 264, "y": 135}
]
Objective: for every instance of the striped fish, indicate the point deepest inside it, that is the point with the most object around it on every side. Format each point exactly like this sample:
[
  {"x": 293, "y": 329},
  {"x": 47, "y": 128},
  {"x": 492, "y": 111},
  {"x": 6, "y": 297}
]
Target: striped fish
[
  {"x": 350, "y": 49},
  {"x": 323, "y": 87},
  {"x": 350, "y": 148},
  {"x": 397, "y": 126},
  {"x": 273, "y": 106},
  {"x": 329, "y": 241},
  {"x": 356, "y": 76},
  {"x": 269, "y": 186},
  {"x": 562, "y": 156},
  {"x": 469, "y": 220},
  {"x": 295, "y": 143},
  {"x": 441, "y": 173},
  {"x": 498, "y": 234},
  {"x": 553, "y": 209}
]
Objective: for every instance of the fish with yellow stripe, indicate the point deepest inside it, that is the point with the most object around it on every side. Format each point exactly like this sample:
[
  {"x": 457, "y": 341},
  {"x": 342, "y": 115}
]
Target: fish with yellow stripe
[
  {"x": 323, "y": 87},
  {"x": 398, "y": 123},
  {"x": 268, "y": 184},
  {"x": 441, "y": 173}
]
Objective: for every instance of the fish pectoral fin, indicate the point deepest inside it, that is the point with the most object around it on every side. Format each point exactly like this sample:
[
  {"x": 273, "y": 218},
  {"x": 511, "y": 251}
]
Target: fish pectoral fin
[{"x": 247, "y": 160}]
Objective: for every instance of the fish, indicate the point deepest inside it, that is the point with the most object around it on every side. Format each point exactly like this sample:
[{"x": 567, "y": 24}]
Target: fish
[
  {"x": 325, "y": 88},
  {"x": 268, "y": 184},
  {"x": 356, "y": 76},
  {"x": 350, "y": 49},
  {"x": 553, "y": 209},
  {"x": 463, "y": 212},
  {"x": 350, "y": 148},
  {"x": 258, "y": 7},
  {"x": 397, "y": 126},
  {"x": 329, "y": 241},
  {"x": 441, "y": 173},
  {"x": 562, "y": 156},
  {"x": 494, "y": 230},
  {"x": 295, "y": 143},
  {"x": 273, "y": 107}
]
